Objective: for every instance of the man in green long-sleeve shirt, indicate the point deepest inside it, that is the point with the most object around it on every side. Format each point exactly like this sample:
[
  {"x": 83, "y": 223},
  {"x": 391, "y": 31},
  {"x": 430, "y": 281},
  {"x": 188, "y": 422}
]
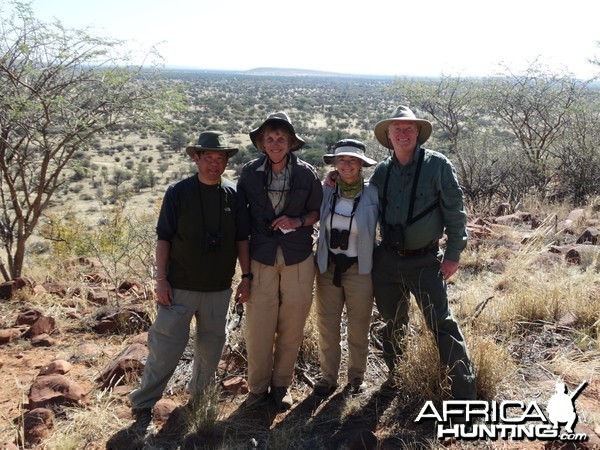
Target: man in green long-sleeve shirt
[{"x": 420, "y": 200}]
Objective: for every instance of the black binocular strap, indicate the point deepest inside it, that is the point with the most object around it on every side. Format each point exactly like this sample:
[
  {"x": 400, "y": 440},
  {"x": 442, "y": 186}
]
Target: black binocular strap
[{"x": 411, "y": 206}]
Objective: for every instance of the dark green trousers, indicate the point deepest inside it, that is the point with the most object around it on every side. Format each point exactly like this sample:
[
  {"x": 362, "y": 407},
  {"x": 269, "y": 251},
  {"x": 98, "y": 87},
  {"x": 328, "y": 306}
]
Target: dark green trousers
[{"x": 394, "y": 279}]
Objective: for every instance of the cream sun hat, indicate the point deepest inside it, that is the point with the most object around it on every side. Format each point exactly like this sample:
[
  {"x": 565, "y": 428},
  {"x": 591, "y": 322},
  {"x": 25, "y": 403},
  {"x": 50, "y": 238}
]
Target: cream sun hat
[{"x": 402, "y": 113}]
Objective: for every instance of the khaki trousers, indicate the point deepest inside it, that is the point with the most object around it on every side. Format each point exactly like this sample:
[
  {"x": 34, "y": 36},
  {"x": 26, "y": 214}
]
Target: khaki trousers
[
  {"x": 168, "y": 336},
  {"x": 356, "y": 293},
  {"x": 276, "y": 312}
]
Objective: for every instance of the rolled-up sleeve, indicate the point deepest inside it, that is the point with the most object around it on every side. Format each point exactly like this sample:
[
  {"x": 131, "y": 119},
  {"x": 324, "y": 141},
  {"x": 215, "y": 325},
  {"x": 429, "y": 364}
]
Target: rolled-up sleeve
[{"x": 315, "y": 197}]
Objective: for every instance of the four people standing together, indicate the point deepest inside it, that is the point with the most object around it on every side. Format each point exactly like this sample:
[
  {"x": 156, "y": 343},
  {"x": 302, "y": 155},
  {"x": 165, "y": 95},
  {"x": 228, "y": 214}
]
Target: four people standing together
[{"x": 268, "y": 223}]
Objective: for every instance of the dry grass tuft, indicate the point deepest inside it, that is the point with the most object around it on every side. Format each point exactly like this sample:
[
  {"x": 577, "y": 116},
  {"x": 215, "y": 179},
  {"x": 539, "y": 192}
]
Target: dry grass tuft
[
  {"x": 77, "y": 427},
  {"x": 419, "y": 374},
  {"x": 493, "y": 365},
  {"x": 202, "y": 415}
]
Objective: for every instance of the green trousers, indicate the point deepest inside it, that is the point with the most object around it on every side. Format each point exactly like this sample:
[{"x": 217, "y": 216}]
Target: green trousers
[{"x": 394, "y": 279}]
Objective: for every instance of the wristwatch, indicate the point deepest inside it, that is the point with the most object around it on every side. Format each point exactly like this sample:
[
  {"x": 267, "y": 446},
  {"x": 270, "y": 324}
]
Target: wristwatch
[{"x": 248, "y": 275}]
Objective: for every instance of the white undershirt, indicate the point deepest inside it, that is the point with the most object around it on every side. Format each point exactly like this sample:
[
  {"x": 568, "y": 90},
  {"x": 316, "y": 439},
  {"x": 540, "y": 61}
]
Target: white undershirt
[{"x": 341, "y": 221}]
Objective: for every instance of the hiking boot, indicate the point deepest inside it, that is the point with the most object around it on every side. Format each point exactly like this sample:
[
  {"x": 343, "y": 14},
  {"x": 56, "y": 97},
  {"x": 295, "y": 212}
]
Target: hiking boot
[
  {"x": 143, "y": 425},
  {"x": 389, "y": 386},
  {"x": 283, "y": 398},
  {"x": 323, "y": 388},
  {"x": 255, "y": 399},
  {"x": 357, "y": 386}
]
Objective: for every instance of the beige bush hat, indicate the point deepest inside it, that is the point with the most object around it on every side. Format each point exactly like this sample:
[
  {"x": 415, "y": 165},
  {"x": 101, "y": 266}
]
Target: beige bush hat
[
  {"x": 213, "y": 141},
  {"x": 280, "y": 118},
  {"x": 349, "y": 147},
  {"x": 402, "y": 113}
]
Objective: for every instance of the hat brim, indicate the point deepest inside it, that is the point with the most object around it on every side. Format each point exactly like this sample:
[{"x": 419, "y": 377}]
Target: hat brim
[
  {"x": 191, "y": 149},
  {"x": 381, "y": 128},
  {"x": 366, "y": 161},
  {"x": 254, "y": 134}
]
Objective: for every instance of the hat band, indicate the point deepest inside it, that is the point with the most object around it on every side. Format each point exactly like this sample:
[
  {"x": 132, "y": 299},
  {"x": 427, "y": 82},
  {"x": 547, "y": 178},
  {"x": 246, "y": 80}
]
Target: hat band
[{"x": 349, "y": 149}]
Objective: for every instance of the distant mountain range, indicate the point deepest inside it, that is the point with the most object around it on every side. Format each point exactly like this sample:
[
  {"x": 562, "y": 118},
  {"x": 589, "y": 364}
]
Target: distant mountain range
[
  {"x": 291, "y": 72},
  {"x": 281, "y": 72}
]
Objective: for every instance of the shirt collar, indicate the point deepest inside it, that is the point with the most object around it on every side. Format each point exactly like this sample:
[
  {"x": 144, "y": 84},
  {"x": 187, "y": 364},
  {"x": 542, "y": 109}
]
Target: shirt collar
[
  {"x": 263, "y": 167},
  {"x": 415, "y": 156}
]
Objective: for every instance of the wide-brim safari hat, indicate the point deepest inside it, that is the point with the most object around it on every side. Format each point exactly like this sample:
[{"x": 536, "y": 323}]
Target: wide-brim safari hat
[
  {"x": 211, "y": 141},
  {"x": 405, "y": 114},
  {"x": 277, "y": 118},
  {"x": 349, "y": 147}
]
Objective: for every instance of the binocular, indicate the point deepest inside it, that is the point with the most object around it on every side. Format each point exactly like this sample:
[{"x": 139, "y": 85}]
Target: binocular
[
  {"x": 393, "y": 237},
  {"x": 339, "y": 238}
]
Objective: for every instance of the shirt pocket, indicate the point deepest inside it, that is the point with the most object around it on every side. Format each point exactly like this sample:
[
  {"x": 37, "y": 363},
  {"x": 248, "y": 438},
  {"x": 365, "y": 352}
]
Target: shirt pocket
[
  {"x": 425, "y": 196},
  {"x": 296, "y": 202}
]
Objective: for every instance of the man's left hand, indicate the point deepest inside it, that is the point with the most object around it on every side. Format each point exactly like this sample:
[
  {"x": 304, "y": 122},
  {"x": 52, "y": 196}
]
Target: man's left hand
[
  {"x": 448, "y": 268},
  {"x": 242, "y": 293},
  {"x": 285, "y": 223}
]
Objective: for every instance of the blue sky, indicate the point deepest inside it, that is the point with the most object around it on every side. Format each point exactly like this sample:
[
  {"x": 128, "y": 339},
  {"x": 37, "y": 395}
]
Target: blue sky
[{"x": 388, "y": 37}]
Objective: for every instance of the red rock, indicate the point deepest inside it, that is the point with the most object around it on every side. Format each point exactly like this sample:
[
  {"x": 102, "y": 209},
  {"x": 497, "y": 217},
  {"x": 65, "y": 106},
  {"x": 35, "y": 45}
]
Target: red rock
[
  {"x": 163, "y": 409},
  {"x": 235, "y": 385},
  {"x": 28, "y": 316},
  {"x": 589, "y": 235},
  {"x": 129, "y": 360},
  {"x": 37, "y": 424},
  {"x": 97, "y": 297},
  {"x": 54, "y": 389},
  {"x": 44, "y": 325},
  {"x": 43, "y": 340},
  {"x": 8, "y": 335},
  {"x": 7, "y": 290},
  {"x": 57, "y": 289},
  {"x": 59, "y": 366},
  {"x": 141, "y": 338}
]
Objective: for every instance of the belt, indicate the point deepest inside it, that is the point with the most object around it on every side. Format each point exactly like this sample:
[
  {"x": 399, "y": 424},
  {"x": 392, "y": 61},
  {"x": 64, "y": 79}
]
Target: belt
[
  {"x": 349, "y": 259},
  {"x": 341, "y": 263},
  {"x": 416, "y": 252}
]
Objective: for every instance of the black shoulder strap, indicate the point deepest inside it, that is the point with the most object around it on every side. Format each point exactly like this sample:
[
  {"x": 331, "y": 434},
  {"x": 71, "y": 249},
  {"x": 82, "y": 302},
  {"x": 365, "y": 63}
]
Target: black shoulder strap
[
  {"x": 413, "y": 193},
  {"x": 385, "y": 193}
]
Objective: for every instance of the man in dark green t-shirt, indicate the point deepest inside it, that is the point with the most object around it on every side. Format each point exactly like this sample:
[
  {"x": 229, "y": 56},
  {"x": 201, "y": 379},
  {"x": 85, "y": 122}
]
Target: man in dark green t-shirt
[{"x": 196, "y": 255}]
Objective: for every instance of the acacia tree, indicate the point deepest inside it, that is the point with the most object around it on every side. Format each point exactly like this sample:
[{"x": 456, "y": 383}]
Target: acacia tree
[
  {"x": 537, "y": 107},
  {"x": 59, "y": 88},
  {"x": 579, "y": 171},
  {"x": 453, "y": 103},
  {"x": 465, "y": 132}
]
